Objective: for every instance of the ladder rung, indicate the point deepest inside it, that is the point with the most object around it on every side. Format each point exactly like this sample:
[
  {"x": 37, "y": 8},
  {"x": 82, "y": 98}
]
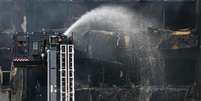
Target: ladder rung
[{"x": 71, "y": 92}]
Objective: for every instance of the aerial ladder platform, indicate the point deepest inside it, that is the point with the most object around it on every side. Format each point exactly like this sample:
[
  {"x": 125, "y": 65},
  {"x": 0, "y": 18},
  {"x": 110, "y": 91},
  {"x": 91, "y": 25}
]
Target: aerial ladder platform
[{"x": 60, "y": 64}]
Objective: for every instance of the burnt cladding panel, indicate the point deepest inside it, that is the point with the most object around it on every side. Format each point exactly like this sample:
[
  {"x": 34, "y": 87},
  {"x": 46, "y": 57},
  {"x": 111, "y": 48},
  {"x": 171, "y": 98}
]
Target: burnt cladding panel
[
  {"x": 180, "y": 71},
  {"x": 100, "y": 45},
  {"x": 47, "y": 15},
  {"x": 180, "y": 15},
  {"x": 180, "y": 66},
  {"x": 6, "y": 16},
  {"x": 152, "y": 11},
  {"x": 5, "y": 50},
  {"x": 74, "y": 12}
]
